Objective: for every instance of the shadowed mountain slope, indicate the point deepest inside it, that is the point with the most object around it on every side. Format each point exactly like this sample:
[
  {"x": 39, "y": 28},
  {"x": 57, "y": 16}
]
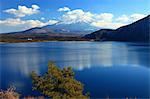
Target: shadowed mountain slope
[{"x": 138, "y": 31}]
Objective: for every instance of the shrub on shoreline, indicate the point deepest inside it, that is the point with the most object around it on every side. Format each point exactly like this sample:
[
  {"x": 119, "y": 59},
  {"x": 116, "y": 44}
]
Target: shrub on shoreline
[{"x": 58, "y": 83}]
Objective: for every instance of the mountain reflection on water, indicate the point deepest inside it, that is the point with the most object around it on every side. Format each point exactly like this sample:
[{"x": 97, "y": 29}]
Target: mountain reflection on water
[{"x": 19, "y": 59}]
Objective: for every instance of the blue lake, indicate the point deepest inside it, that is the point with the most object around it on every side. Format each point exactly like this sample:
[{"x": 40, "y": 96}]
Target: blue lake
[{"x": 107, "y": 69}]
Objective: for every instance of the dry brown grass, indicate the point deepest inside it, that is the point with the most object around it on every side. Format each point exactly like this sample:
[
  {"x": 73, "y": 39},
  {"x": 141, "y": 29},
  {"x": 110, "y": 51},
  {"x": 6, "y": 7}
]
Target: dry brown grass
[{"x": 9, "y": 94}]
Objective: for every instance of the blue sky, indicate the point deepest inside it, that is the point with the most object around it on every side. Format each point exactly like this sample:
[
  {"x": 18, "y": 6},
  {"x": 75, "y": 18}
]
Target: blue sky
[{"x": 100, "y": 13}]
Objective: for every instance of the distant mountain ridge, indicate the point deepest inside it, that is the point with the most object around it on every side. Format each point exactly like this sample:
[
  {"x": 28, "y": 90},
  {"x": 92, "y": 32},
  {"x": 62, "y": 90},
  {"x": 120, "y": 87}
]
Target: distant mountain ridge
[
  {"x": 78, "y": 28},
  {"x": 138, "y": 31},
  {"x": 60, "y": 28},
  {"x": 58, "y": 31}
]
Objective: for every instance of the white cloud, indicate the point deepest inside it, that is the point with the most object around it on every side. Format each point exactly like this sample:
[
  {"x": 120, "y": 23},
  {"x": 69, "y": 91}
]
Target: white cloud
[
  {"x": 42, "y": 18},
  {"x": 136, "y": 16},
  {"x": 17, "y": 21},
  {"x": 64, "y": 9},
  {"x": 97, "y": 20},
  {"x": 103, "y": 24},
  {"x": 130, "y": 18},
  {"x": 78, "y": 15},
  {"x": 75, "y": 16},
  {"x": 102, "y": 20},
  {"x": 123, "y": 18},
  {"x": 16, "y": 24},
  {"x": 50, "y": 22},
  {"x": 22, "y": 11},
  {"x": 104, "y": 17},
  {"x": 35, "y": 7}
]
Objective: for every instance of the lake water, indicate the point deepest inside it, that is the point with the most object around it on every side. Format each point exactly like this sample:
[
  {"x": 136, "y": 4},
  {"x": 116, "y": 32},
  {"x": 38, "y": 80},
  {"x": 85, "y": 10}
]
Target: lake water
[{"x": 113, "y": 69}]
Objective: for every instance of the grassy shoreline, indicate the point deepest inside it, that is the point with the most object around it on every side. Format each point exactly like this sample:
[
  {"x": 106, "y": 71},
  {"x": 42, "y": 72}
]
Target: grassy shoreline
[{"x": 26, "y": 41}]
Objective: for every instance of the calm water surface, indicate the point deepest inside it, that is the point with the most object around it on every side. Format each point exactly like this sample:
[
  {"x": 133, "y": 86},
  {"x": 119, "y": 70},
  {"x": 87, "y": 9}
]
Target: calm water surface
[{"x": 113, "y": 69}]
